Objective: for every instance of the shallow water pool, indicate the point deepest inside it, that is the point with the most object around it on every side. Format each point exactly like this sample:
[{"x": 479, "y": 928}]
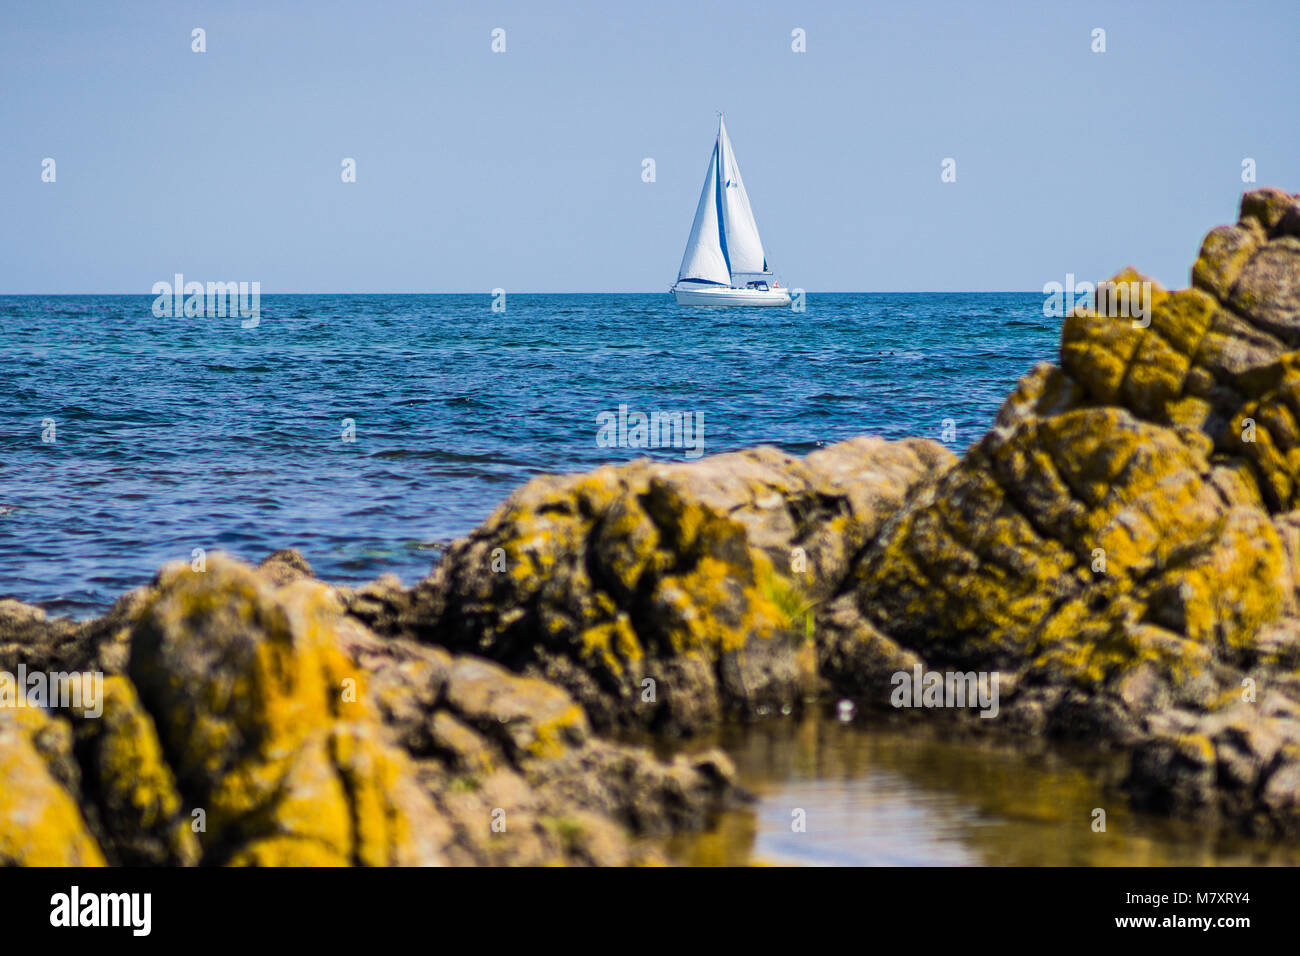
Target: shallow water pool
[{"x": 881, "y": 793}]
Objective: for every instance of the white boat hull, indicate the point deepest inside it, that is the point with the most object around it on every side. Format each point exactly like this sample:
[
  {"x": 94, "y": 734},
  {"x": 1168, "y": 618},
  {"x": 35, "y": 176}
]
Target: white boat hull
[{"x": 732, "y": 297}]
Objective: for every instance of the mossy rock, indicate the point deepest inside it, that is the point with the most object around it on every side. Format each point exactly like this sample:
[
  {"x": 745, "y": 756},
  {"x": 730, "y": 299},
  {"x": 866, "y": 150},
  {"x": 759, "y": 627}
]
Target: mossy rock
[
  {"x": 266, "y": 725},
  {"x": 664, "y": 596},
  {"x": 41, "y": 823}
]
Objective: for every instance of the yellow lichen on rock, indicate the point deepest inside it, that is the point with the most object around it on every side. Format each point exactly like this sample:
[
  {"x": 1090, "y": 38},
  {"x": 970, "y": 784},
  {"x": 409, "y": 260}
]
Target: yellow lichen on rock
[
  {"x": 651, "y": 571},
  {"x": 1109, "y": 497},
  {"x": 40, "y": 822},
  {"x": 134, "y": 788},
  {"x": 266, "y": 724}
]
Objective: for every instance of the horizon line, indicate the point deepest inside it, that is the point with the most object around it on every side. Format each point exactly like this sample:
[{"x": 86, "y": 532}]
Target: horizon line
[{"x": 489, "y": 293}]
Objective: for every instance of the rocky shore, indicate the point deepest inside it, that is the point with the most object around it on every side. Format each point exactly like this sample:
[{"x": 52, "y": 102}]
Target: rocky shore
[{"x": 1122, "y": 549}]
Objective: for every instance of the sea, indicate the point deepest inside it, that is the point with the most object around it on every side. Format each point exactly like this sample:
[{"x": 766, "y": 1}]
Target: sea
[{"x": 369, "y": 430}]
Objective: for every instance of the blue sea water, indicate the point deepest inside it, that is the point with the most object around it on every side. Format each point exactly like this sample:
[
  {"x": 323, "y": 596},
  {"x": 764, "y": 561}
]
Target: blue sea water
[{"x": 179, "y": 433}]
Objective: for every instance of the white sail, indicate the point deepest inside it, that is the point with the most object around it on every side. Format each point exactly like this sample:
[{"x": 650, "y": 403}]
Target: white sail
[
  {"x": 743, "y": 249},
  {"x": 704, "y": 260},
  {"x": 724, "y": 247}
]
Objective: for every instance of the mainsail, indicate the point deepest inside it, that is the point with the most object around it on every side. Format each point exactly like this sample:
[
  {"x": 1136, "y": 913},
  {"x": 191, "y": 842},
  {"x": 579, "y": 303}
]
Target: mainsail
[
  {"x": 724, "y": 238},
  {"x": 704, "y": 260}
]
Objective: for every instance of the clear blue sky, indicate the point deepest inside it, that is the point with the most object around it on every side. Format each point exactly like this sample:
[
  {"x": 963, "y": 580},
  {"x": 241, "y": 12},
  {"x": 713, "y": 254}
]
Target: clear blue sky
[{"x": 523, "y": 170}]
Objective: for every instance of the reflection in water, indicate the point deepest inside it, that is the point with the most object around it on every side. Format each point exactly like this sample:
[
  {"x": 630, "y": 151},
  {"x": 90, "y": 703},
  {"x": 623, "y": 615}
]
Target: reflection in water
[{"x": 883, "y": 793}]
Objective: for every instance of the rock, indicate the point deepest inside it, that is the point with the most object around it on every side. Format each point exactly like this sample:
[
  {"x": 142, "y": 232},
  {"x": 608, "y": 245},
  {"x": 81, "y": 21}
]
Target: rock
[
  {"x": 284, "y": 757},
  {"x": 1267, "y": 292},
  {"x": 232, "y": 739},
  {"x": 995, "y": 564},
  {"x": 1240, "y": 763},
  {"x": 386, "y": 607},
  {"x": 495, "y": 747},
  {"x": 1224, "y": 253},
  {"x": 1281, "y": 797},
  {"x": 647, "y": 796},
  {"x": 664, "y": 596},
  {"x": 29, "y": 639},
  {"x": 855, "y": 658},
  {"x": 1270, "y": 207},
  {"x": 254, "y": 722},
  {"x": 285, "y": 567},
  {"x": 1123, "y": 535},
  {"x": 40, "y": 822},
  {"x": 128, "y": 785},
  {"x": 1183, "y": 765},
  {"x": 528, "y": 717}
]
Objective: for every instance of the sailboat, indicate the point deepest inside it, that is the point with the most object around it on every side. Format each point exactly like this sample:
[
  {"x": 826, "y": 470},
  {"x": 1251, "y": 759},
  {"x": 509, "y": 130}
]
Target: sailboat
[{"x": 724, "y": 262}]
